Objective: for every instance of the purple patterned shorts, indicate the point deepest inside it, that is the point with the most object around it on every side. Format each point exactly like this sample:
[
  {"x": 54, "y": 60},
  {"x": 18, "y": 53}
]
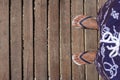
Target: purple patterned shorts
[{"x": 108, "y": 58}]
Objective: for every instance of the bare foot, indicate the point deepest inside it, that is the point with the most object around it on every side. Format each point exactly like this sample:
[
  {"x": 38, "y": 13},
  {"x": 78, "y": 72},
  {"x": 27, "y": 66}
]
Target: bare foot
[
  {"x": 89, "y": 23},
  {"x": 89, "y": 56}
]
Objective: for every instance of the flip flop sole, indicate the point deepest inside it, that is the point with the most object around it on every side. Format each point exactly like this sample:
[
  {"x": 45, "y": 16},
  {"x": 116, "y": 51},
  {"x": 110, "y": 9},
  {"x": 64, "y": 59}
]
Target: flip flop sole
[
  {"x": 81, "y": 58},
  {"x": 73, "y": 59}
]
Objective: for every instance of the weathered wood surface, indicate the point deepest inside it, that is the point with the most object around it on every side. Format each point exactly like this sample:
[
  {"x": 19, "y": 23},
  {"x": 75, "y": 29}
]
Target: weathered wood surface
[
  {"x": 65, "y": 40},
  {"x": 16, "y": 39},
  {"x": 28, "y": 39},
  {"x": 37, "y": 39},
  {"x": 40, "y": 39},
  {"x": 54, "y": 40},
  {"x": 4, "y": 39},
  {"x": 91, "y": 39},
  {"x": 78, "y": 72}
]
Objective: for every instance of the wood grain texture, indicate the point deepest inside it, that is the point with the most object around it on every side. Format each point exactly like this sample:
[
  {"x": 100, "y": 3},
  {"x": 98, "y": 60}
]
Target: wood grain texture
[
  {"x": 101, "y": 3},
  {"x": 28, "y": 39},
  {"x": 91, "y": 39},
  {"x": 78, "y": 72},
  {"x": 41, "y": 40},
  {"x": 54, "y": 40},
  {"x": 4, "y": 39},
  {"x": 16, "y": 40},
  {"x": 37, "y": 39},
  {"x": 65, "y": 40}
]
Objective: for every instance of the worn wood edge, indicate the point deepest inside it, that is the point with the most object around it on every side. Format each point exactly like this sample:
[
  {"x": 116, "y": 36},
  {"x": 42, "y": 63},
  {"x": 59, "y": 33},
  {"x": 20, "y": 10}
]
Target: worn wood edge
[{"x": 53, "y": 40}]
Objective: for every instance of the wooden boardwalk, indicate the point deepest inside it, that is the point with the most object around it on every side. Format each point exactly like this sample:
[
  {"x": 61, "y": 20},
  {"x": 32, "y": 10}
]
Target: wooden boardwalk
[{"x": 37, "y": 39}]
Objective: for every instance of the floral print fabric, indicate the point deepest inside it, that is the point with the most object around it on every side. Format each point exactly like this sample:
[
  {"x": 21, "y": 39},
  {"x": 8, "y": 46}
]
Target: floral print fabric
[{"x": 108, "y": 58}]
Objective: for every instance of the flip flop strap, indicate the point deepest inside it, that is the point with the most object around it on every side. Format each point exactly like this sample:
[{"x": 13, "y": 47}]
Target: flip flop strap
[
  {"x": 81, "y": 57},
  {"x": 84, "y": 27}
]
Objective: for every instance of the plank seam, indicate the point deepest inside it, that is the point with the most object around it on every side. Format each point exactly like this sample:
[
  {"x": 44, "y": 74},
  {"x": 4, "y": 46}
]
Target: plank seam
[
  {"x": 33, "y": 5},
  {"x": 9, "y": 40},
  {"x": 71, "y": 36},
  {"x": 47, "y": 39},
  {"x": 22, "y": 41},
  {"x": 84, "y": 38}
]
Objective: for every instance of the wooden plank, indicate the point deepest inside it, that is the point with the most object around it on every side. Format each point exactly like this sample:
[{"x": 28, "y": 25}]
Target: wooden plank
[
  {"x": 78, "y": 72},
  {"x": 16, "y": 43},
  {"x": 65, "y": 40},
  {"x": 28, "y": 39},
  {"x": 91, "y": 39},
  {"x": 41, "y": 40},
  {"x": 53, "y": 40},
  {"x": 4, "y": 39},
  {"x": 101, "y": 3}
]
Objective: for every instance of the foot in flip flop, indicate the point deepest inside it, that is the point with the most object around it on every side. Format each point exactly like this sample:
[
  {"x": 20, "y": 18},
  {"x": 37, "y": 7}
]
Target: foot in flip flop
[
  {"x": 85, "y": 22},
  {"x": 84, "y": 58}
]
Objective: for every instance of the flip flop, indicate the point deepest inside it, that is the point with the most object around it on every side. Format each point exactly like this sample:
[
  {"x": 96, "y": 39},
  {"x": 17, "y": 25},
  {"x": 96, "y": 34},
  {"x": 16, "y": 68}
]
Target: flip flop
[
  {"x": 84, "y": 27},
  {"x": 81, "y": 58}
]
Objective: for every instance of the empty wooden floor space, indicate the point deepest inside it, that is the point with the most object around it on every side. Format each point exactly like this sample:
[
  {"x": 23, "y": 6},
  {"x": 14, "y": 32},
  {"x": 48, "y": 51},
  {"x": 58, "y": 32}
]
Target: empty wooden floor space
[{"x": 37, "y": 40}]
